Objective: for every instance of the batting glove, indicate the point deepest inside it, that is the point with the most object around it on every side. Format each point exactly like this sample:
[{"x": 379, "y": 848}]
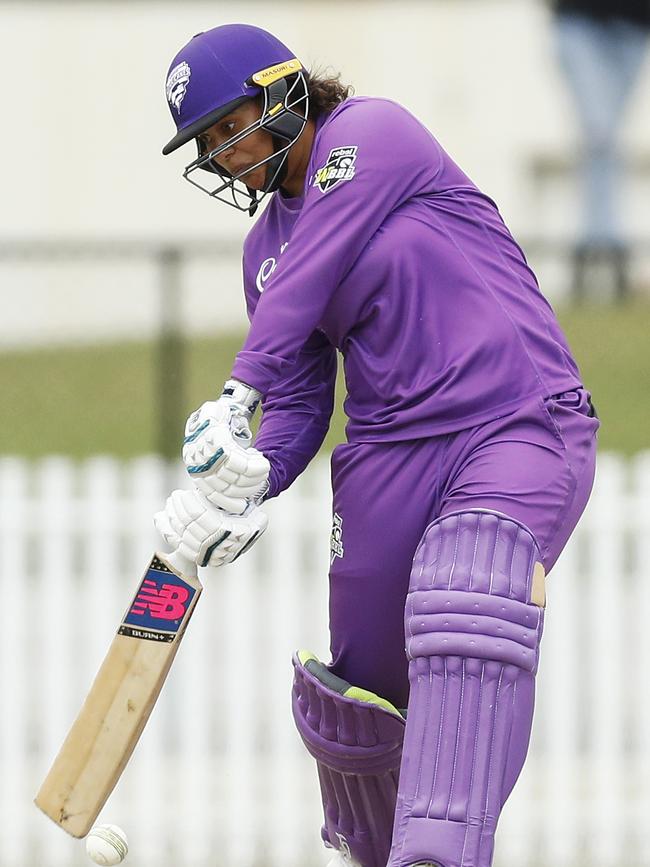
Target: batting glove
[
  {"x": 218, "y": 454},
  {"x": 203, "y": 534}
]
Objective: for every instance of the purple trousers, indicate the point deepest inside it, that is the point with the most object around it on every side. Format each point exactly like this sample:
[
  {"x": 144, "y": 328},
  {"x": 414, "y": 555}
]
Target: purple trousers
[{"x": 535, "y": 465}]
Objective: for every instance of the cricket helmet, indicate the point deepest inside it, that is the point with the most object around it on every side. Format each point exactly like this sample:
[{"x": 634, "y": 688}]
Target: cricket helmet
[{"x": 210, "y": 77}]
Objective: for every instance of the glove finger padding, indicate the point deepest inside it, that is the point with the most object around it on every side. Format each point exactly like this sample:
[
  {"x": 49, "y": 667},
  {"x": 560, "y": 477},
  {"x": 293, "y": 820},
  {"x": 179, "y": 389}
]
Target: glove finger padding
[
  {"x": 232, "y": 505},
  {"x": 235, "y": 496},
  {"x": 184, "y": 506},
  {"x": 163, "y": 525},
  {"x": 204, "y": 534},
  {"x": 220, "y": 460}
]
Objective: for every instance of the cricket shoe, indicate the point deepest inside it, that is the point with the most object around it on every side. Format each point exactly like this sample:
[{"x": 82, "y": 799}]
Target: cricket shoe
[{"x": 341, "y": 860}]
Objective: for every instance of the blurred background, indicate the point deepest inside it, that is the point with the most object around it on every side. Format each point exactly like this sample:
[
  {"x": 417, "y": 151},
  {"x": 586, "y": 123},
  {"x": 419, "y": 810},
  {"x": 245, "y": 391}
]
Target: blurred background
[{"x": 122, "y": 310}]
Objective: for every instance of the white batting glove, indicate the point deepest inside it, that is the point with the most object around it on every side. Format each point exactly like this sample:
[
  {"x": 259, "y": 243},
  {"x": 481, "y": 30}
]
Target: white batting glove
[
  {"x": 203, "y": 534},
  {"x": 218, "y": 454}
]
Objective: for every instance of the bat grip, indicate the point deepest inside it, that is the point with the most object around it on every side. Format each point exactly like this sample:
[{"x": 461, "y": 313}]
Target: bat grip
[{"x": 181, "y": 564}]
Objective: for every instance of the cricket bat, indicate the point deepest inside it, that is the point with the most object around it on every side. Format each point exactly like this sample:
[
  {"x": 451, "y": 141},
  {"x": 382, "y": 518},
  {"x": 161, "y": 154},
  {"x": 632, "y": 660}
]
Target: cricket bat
[{"x": 116, "y": 709}]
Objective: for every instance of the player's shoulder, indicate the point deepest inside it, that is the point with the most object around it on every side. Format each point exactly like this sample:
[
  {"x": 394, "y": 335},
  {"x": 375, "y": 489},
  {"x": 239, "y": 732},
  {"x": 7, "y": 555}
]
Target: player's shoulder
[
  {"x": 362, "y": 111},
  {"x": 374, "y": 125}
]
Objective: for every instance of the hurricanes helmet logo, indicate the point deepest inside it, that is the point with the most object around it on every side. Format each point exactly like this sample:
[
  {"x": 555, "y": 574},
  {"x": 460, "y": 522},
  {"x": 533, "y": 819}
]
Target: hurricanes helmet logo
[{"x": 177, "y": 82}]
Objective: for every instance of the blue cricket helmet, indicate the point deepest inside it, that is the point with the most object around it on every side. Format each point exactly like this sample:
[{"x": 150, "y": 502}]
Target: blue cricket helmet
[
  {"x": 213, "y": 73},
  {"x": 217, "y": 71}
]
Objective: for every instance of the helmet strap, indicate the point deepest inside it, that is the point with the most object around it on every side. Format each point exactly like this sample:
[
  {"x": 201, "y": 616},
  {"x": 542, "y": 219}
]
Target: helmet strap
[{"x": 286, "y": 127}]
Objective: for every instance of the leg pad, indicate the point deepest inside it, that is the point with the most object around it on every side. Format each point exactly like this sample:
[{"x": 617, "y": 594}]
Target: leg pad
[
  {"x": 472, "y": 638},
  {"x": 356, "y": 738}
]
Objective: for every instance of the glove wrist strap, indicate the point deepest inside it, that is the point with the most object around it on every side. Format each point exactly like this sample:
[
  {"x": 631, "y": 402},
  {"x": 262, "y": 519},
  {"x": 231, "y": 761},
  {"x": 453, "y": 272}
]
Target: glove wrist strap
[{"x": 244, "y": 395}]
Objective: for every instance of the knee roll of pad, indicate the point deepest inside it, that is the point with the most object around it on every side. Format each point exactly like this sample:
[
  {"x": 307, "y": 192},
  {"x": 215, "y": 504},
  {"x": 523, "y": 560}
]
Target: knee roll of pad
[
  {"x": 473, "y": 624},
  {"x": 471, "y": 591},
  {"x": 356, "y": 738}
]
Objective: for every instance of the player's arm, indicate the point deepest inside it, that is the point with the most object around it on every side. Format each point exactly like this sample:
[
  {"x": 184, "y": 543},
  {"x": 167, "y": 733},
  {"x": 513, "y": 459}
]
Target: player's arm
[
  {"x": 338, "y": 219},
  {"x": 296, "y": 413},
  {"x": 295, "y": 417},
  {"x": 218, "y": 451}
]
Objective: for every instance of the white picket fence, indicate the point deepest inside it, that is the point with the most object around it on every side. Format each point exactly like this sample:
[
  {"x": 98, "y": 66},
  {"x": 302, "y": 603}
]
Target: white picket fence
[{"x": 220, "y": 777}]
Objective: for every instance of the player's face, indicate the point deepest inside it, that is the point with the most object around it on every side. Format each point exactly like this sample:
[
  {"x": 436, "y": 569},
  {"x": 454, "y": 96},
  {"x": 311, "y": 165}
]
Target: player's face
[{"x": 248, "y": 152}]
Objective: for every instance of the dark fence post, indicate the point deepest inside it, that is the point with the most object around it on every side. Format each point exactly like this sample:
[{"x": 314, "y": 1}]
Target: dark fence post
[{"x": 170, "y": 362}]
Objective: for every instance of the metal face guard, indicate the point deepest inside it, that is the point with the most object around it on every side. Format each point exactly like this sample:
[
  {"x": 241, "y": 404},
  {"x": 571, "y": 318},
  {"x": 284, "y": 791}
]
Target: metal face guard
[{"x": 283, "y": 121}]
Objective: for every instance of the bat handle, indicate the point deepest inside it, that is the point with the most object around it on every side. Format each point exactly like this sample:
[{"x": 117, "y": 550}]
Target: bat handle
[{"x": 181, "y": 564}]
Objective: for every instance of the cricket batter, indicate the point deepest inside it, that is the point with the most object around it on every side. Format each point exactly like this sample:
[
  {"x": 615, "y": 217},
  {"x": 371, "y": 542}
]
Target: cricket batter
[{"x": 470, "y": 443}]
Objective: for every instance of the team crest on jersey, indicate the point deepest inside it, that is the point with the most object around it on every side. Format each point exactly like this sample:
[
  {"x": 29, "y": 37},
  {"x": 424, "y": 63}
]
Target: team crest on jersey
[
  {"x": 177, "y": 82},
  {"x": 339, "y": 167}
]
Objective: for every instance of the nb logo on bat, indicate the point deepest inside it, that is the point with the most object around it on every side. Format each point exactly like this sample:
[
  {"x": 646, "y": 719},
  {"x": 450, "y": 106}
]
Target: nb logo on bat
[
  {"x": 159, "y": 608},
  {"x": 164, "y": 603}
]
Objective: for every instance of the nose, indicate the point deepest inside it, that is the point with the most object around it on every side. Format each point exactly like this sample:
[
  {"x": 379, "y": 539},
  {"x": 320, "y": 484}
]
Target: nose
[
  {"x": 224, "y": 157},
  {"x": 228, "y": 152}
]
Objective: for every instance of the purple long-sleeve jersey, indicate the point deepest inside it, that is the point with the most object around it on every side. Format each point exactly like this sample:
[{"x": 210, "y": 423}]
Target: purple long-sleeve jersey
[{"x": 395, "y": 258}]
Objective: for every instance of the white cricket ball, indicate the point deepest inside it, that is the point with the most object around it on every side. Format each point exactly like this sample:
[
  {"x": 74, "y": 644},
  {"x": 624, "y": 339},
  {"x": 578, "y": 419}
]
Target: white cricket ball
[{"x": 107, "y": 845}]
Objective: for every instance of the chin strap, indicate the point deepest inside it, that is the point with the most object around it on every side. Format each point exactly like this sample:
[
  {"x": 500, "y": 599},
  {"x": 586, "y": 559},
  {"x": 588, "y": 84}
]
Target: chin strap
[
  {"x": 276, "y": 172},
  {"x": 254, "y": 203},
  {"x": 284, "y": 126}
]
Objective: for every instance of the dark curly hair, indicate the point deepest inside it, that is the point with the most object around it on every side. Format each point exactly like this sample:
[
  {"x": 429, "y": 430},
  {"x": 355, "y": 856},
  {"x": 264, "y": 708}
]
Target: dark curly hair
[{"x": 325, "y": 92}]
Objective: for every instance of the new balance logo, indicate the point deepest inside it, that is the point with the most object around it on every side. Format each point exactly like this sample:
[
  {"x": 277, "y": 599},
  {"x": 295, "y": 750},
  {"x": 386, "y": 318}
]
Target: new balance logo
[
  {"x": 166, "y": 602},
  {"x": 162, "y": 605}
]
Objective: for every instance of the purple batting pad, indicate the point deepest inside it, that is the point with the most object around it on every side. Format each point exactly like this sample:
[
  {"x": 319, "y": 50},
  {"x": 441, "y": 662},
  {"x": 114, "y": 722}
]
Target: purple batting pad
[
  {"x": 472, "y": 639},
  {"x": 357, "y": 745}
]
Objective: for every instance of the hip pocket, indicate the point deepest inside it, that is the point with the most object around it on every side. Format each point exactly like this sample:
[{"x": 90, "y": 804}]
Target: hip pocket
[{"x": 572, "y": 414}]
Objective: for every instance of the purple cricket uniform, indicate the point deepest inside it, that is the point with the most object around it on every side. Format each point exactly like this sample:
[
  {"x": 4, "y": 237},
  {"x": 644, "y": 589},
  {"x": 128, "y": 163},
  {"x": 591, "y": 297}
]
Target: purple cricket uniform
[
  {"x": 470, "y": 458},
  {"x": 470, "y": 452},
  {"x": 394, "y": 257},
  {"x": 451, "y": 354}
]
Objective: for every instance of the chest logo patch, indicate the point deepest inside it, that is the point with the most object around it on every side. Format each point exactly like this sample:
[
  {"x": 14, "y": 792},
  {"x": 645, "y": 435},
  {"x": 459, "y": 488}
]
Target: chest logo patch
[{"x": 339, "y": 167}]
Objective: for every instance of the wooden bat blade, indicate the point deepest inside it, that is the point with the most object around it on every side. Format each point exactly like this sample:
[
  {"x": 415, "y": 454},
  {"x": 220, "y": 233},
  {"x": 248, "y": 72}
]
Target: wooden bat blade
[{"x": 116, "y": 709}]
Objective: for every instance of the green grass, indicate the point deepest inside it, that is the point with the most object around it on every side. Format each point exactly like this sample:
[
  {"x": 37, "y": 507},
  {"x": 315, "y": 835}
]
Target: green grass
[
  {"x": 612, "y": 347},
  {"x": 82, "y": 401}
]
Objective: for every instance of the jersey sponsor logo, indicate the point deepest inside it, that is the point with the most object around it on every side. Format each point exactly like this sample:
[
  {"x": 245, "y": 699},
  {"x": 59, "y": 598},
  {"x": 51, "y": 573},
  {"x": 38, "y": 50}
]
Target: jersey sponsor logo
[
  {"x": 267, "y": 268},
  {"x": 177, "y": 82},
  {"x": 336, "y": 538},
  {"x": 339, "y": 167},
  {"x": 159, "y": 608}
]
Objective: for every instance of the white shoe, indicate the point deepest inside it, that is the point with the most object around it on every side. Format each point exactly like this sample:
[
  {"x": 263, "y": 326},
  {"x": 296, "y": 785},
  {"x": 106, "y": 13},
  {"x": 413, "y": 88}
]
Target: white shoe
[{"x": 341, "y": 860}]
